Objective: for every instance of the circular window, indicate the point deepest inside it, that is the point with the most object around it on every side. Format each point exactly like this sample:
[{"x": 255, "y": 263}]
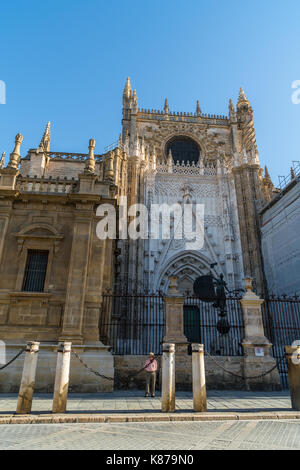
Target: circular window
[{"x": 183, "y": 148}]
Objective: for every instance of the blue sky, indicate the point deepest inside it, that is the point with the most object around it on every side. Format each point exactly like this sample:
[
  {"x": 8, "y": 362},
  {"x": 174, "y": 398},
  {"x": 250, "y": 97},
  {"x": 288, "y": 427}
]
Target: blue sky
[{"x": 67, "y": 62}]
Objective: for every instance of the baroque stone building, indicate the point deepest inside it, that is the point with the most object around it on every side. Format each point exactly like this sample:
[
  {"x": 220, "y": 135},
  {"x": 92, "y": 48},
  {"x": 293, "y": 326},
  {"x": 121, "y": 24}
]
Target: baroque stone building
[{"x": 53, "y": 267}]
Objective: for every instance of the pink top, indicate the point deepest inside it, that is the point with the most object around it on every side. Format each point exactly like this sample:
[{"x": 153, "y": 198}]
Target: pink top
[{"x": 151, "y": 365}]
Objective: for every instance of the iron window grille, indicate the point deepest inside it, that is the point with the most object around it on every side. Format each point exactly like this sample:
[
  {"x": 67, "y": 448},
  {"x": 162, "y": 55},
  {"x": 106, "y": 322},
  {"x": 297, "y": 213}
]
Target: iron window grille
[{"x": 35, "y": 271}]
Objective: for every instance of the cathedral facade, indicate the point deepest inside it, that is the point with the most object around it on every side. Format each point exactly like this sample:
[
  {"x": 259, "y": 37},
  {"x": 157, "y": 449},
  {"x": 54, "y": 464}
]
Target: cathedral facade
[
  {"x": 54, "y": 269},
  {"x": 195, "y": 158}
]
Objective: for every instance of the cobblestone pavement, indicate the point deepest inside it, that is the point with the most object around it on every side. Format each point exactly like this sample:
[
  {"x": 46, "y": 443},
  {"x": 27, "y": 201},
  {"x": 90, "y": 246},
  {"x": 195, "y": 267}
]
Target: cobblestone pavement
[
  {"x": 133, "y": 401},
  {"x": 214, "y": 435}
]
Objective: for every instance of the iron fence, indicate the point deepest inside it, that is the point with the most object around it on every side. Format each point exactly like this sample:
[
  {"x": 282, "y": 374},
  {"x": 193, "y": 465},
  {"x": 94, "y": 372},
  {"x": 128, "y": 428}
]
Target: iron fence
[
  {"x": 281, "y": 319},
  {"x": 135, "y": 324},
  {"x": 132, "y": 323}
]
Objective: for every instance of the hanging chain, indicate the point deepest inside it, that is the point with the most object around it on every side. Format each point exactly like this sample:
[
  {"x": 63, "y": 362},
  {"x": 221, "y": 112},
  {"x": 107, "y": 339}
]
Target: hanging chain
[
  {"x": 93, "y": 371},
  {"x": 13, "y": 359},
  {"x": 243, "y": 377},
  {"x": 90, "y": 369}
]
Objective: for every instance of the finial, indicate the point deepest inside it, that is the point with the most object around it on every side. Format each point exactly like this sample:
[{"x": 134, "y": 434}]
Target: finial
[
  {"x": 15, "y": 155},
  {"x": 127, "y": 88},
  {"x": 90, "y": 161},
  {"x": 231, "y": 107},
  {"x": 2, "y": 161},
  {"x": 267, "y": 176},
  {"x": 45, "y": 141},
  {"x": 198, "y": 109},
  {"x": 134, "y": 97},
  {"x": 166, "y": 107},
  {"x": 242, "y": 97}
]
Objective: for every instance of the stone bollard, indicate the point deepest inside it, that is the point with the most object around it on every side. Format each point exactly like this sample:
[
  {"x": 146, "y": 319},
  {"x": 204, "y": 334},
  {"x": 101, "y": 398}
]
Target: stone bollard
[
  {"x": 168, "y": 378},
  {"x": 62, "y": 373},
  {"x": 28, "y": 378},
  {"x": 293, "y": 363},
  {"x": 199, "y": 386}
]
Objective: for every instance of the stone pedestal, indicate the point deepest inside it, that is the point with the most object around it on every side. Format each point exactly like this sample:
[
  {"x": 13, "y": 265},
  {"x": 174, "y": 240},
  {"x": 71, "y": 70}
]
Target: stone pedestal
[
  {"x": 8, "y": 178},
  {"x": 293, "y": 363},
  {"x": 62, "y": 374},
  {"x": 174, "y": 332},
  {"x": 256, "y": 347},
  {"x": 199, "y": 385},
  {"x": 28, "y": 378},
  {"x": 168, "y": 379}
]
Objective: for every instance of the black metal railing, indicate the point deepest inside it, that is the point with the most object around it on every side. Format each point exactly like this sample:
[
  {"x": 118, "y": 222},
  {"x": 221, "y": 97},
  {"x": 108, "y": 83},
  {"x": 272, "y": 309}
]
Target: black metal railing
[
  {"x": 281, "y": 318},
  {"x": 133, "y": 324}
]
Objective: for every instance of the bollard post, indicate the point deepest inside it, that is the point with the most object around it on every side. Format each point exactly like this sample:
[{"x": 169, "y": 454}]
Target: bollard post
[
  {"x": 293, "y": 363},
  {"x": 168, "y": 378},
  {"x": 199, "y": 385},
  {"x": 62, "y": 373},
  {"x": 28, "y": 378}
]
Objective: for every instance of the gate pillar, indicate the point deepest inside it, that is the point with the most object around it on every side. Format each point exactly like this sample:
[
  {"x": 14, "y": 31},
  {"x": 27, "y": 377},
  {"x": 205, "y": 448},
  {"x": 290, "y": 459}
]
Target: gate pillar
[
  {"x": 174, "y": 314},
  {"x": 257, "y": 348},
  {"x": 175, "y": 333}
]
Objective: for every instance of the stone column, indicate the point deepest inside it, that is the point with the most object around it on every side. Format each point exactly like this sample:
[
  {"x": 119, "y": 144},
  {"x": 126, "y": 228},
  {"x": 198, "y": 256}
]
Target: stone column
[
  {"x": 62, "y": 374},
  {"x": 293, "y": 362},
  {"x": 256, "y": 347},
  {"x": 199, "y": 385},
  {"x": 28, "y": 378},
  {"x": 76, "y": 287},
  {"x": 174, "y": 314},
  {"x": 168, "y": 378}
]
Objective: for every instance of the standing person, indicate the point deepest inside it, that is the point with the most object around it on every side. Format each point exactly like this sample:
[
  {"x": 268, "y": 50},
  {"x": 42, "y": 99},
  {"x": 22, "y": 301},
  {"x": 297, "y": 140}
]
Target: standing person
[{"x": 150, "y": 368}]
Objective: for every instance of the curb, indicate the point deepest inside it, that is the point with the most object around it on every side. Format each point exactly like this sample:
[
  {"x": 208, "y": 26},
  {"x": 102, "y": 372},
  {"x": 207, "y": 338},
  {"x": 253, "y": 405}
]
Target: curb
[{"x": 145, "y": 418}]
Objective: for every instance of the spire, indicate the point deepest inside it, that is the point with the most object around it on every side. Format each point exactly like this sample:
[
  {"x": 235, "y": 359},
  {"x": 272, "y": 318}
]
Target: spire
[
  {"x": 45, "y": 142},
  {"x": 90, "y": 161},
  {"x": 15, "y": 155},
  {"x": 2, "y": 161},
  {"x": 127, "y": 88},
  {"x": 166, "y": 107},
  {"x": 198, "y": 109}
]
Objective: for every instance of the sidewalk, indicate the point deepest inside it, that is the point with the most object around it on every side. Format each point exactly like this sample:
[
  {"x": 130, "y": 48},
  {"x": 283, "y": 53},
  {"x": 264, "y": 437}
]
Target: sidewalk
[{"x": 131, "y": 406}]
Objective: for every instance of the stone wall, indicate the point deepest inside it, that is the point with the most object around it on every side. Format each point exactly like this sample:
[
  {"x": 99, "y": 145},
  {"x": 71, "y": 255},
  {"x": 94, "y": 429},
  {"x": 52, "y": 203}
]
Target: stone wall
[{"x": 216, "y": 378}]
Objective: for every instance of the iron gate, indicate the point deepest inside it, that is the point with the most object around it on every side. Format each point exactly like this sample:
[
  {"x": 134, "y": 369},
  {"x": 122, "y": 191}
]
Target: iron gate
[
  {"x": 281, "y": 318},
  {"x": 200, "y": 326}
]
